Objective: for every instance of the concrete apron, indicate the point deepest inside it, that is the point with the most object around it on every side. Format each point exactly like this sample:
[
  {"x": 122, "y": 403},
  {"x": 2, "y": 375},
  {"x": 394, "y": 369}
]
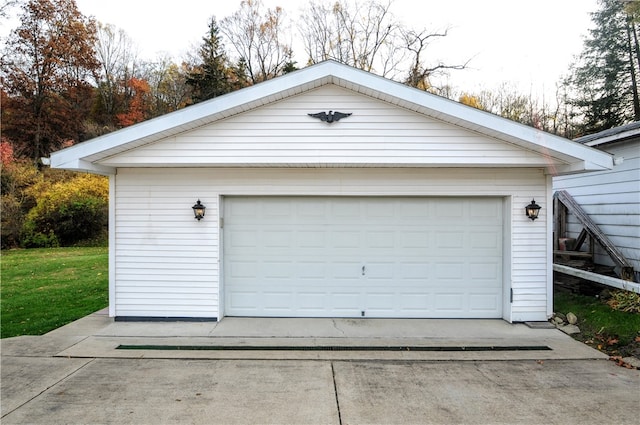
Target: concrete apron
[{"x": 98, "y": 336}]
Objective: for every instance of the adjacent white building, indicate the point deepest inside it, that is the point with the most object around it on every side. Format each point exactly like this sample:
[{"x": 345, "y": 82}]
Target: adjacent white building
[
  {"x": 611, "y": 198},
  {"x": 411, "y": 206}
]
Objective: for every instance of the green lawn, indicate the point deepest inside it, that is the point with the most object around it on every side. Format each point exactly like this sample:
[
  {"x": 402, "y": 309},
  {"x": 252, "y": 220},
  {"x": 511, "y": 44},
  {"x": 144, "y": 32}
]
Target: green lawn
[
  {"x": 614, "y": 332},
  {"x": 43, "y": 289}
]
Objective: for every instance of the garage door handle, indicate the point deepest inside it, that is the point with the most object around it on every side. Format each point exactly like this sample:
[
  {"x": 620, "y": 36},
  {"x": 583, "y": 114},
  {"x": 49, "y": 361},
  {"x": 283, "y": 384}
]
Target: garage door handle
[{"x": 362, "y": 270}]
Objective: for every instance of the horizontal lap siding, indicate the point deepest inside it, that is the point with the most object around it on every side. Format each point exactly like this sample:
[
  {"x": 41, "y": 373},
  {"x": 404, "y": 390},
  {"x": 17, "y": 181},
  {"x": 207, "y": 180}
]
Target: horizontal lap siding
[
  {"x": 612, "y": 200},
  {"x": 166, "y": 260},
  {"x": 167, "y": 263},
  {"x": 282, "y": 134}
]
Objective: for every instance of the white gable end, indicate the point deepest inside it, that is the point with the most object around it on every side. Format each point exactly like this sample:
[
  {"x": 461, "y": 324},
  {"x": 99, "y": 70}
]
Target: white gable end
[
  {"x": 557, "y": 155},
  {"x": 376, "y": 134}
]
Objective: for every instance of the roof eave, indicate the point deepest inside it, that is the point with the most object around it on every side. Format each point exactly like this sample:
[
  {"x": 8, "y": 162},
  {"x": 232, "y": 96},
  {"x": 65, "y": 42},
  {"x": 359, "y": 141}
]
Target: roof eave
[{"x": 317, "y": 75}]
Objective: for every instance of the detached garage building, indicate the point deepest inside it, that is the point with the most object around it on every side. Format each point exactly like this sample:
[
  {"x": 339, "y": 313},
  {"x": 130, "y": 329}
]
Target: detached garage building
[{"x": 330, "y": 192}]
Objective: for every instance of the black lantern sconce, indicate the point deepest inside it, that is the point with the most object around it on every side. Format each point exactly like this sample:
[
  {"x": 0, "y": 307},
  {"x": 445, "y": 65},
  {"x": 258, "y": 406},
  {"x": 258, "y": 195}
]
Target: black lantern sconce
[
  {"x": 532, "y": 210},
  {"x": 198, "y": 210}
]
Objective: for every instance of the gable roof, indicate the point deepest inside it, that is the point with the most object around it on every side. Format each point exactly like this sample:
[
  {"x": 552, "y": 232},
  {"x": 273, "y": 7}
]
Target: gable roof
[
  {"x": 575, "y": 156},
  {"x": 612, "y": 135}
]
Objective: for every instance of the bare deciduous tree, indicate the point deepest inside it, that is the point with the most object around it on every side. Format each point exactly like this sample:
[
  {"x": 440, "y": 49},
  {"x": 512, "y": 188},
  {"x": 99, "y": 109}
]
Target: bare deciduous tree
[
  {"x": 367, "y": 35},
  {"x": 363, "y": 35},
  {"x": 258, "y": 38},
  {"x": 419, "y": 74},
  {"x": 118, "y": 59}
]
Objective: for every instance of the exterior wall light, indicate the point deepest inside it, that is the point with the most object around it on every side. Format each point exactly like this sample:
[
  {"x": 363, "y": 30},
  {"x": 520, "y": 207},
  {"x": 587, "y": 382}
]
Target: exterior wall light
[
  {"x": 198, "y": 210},
  {"x": 532, "y": 210}
]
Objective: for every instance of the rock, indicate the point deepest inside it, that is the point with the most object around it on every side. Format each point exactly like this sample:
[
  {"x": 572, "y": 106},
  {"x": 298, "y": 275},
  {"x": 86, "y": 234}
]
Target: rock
[
  {"x": 557, "y": 321},
  {"x": 569, "y": 329},
  {"x": 605, "y": 294},
  {"x": 633, "y": 361},
  {"x": 572, "y": 318},
  {"x": 561, "y": 316}
]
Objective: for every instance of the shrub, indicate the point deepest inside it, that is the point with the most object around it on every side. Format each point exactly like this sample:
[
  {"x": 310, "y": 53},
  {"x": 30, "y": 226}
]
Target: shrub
[
  {"x": 625, "y": 301},
  {"x": 15, "y": 180},
  {"x": 68, "y": 212}
]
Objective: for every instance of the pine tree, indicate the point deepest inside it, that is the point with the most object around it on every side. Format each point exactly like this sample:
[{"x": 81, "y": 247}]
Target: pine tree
[
  {"x": 213, "y": 76},
  {"x": 604, "y": 81}
]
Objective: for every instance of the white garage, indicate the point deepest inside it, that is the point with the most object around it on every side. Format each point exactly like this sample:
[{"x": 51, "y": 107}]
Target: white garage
[
  {"x": 363, "y": 257},
  {"x": 330, "y": 192}
]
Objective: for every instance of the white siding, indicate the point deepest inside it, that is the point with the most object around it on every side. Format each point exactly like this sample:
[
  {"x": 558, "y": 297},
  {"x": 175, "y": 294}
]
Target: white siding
[
  {"x": 166, "y": 261},
  {"x": 282, "y": 134},
  {"x": 612, "y": 200},
  {"x": 168, "y": 264}
]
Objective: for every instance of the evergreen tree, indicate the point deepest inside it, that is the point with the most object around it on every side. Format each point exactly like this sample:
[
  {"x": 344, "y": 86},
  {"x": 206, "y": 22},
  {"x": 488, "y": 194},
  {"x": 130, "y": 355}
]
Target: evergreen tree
[
  {"x": 213, "y": 76},
  {"x": 603, "y": 81}
]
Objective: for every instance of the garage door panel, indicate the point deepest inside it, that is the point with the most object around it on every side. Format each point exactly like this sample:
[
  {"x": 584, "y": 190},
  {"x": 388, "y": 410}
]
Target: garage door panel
[
  {"x": 388, "y": 257},
  {"x": 449, "y": 302},
  {"x": 479, "y": 302},
  {"x": 449, "y": 271},
  {"x": 418, "y": 239},
  {"x": 346, "y": 302},
  {"x": 312, "y": 301},
  {"x": 412, "y": 271},
  {"x": 487, "y": 272},
  {"x": 485, "y": 240},
  {"x": 246, "y": 301},
  {"x": 311, "y": 270},
  {"x": 238, "y": 270},
  {"x": 280, "y": 270}
]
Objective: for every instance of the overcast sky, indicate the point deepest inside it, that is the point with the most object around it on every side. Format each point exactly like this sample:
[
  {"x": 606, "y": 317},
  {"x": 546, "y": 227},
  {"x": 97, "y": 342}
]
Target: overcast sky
[{"x": 528, "y": 44}]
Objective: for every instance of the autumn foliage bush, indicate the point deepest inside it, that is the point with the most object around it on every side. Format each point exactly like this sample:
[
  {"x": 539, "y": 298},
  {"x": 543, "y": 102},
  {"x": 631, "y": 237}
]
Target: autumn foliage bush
[
  {"x": 67, "y": 212},
  {"x": 15, "y": 180},
  {"x": 46, "y": 207}
]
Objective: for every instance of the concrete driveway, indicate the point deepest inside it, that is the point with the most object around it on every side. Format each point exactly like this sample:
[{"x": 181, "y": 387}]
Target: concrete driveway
[{"x": 251, "y": 371}]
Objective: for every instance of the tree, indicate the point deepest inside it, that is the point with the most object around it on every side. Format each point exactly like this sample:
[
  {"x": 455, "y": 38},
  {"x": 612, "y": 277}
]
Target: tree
[
  {"x": 420, "y": 74},
  {"x": 138, "y": 103},
  {"x": 49, "y": 59},
  {"x": 258, "y": 38},
  {"x": 603, "y": 81},
  {"x": 6, "y": 7},
  {"x": 366, "y": 35},
  {"x": 118, "y": 64},
  {"x": 213, "y": 76},
  {"x": 362, "y": 35},
  {"x": 168, "y": 84}
]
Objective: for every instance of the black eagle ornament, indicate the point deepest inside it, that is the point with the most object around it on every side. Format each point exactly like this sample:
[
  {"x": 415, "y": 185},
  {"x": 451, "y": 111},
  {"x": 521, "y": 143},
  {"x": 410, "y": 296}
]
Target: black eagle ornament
[{"x": 330, "y": 117}]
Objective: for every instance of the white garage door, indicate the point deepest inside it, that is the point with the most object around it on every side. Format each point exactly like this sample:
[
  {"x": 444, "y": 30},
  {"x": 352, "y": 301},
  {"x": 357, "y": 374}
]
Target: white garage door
[{"x": 363, "y": 257}]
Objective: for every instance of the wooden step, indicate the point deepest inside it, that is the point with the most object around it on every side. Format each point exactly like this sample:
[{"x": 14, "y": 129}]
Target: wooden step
[{"x": 579, "y": 254}]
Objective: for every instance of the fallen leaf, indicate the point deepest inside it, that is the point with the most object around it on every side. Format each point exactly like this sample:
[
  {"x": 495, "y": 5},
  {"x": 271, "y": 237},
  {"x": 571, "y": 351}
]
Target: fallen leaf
[{"x": 619, "y": 362}]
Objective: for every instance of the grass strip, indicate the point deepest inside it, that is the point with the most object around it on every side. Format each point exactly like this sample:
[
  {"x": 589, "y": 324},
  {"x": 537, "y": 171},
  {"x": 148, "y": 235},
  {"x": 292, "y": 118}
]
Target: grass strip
[
  {"x": 43, "y": 289},
  {"x": 615, "y": 332}
]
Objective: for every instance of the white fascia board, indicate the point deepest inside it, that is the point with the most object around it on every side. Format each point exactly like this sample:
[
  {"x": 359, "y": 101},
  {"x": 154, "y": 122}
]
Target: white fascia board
[
  {"x": 614, "y": 138},
  {"x": 477, "y": 120},
  {"x": 318, "y": 75},
  {"x": 89, "y": 167},
  {"x": 180, "y": 120}
]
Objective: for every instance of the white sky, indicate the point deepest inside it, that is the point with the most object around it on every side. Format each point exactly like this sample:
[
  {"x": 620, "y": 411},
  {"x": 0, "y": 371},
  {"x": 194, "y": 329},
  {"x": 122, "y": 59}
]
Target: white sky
[{"x": 528, "y": 44}]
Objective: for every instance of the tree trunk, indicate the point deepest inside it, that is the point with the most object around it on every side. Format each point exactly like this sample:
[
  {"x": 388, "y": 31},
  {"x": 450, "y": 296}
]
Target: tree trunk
[{"x": 631, "y": 27}]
